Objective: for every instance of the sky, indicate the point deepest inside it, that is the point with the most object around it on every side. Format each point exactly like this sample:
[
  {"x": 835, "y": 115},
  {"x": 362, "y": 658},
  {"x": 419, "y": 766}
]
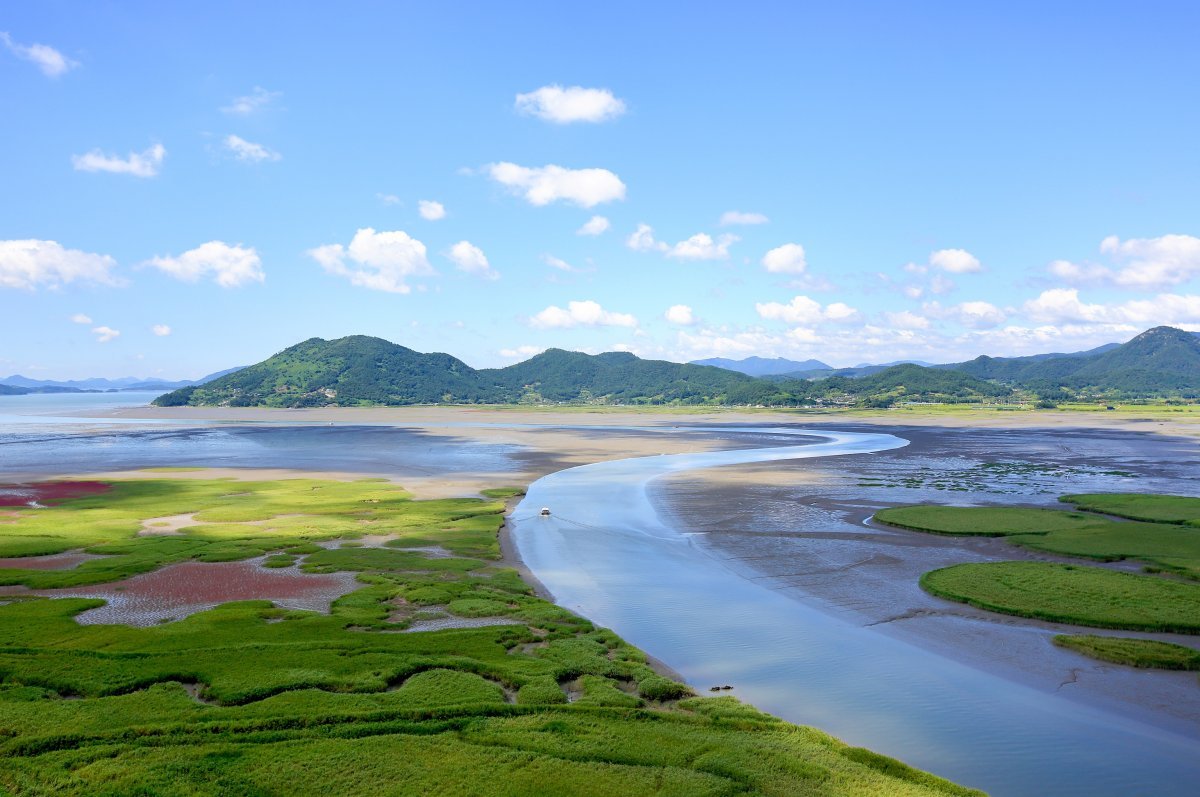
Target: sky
[{"x": 190, "y": 187}]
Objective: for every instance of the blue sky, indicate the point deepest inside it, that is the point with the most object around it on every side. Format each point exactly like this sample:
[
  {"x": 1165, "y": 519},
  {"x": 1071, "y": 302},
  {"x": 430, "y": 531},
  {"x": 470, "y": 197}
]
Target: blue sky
[{"x": 852, "y": 182}]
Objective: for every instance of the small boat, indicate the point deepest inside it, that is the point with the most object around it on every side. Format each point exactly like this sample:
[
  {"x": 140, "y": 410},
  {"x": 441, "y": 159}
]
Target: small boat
[{"x": 545, "y": 511}]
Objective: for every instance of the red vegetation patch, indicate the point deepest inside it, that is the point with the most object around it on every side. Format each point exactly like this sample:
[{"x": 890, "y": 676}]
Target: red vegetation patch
[
  {"x": 183, "y": 589},
  {"x": 48, "y": 492}
]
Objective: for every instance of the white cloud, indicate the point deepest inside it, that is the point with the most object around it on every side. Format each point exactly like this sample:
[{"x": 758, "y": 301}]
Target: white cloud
[
  {"x": 44, "y": 57},
  {"x": 732, "y": 217},
  {"x": 248, "y": 151},
  {"x": 161, "y": 330},
  {"x": 939, "y": 284},
  {"x": 252, "y": 102},
  {"x": 80, "y": 318},
  {"x": 978, "y": 315},
  {"x": 701, "y": 246},
  {"x": 1063, "y": 306},
  {"x": 29, "y": 263},
  {"x": 229, "y": 266},
  {"x": 596, "y": 225},
  {"x": 558, "y": 263},
  {"x": 913, "y": 291},
  {"x": 786, "y": 259},
  {"x": 906, "y": 319},
  {"x": 680, "y": 314},
  {"x": 385, "y": 259},
  {"x": 1154, "y": 262},
  {"x": 545, "y": 184},
  {"x": 803, "y": 311},
  {"x": 105, "y": 334},
  {"x": 388, "y": 199},
  {"x": 572, "y": 104},
  {"x": 430, "y": 210},
  {"x": 642, "y": 240},
  {"x": 580, "y": 314},
  {"x": 140, "y": 164},
  {"x": 522, "y": 351},
  {"x": 955, "y": 261},
  {"x": 471, "y": 259},
  {"x": 1078, "y": 273}
]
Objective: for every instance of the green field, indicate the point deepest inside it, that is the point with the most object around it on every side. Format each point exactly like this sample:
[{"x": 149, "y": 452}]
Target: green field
[
  {"x": 1145, "y": 653},
  {"x": 247, "y": 698},
  {"x": 1090, "y": 596},
  {"x": 1171, "y": 545}
]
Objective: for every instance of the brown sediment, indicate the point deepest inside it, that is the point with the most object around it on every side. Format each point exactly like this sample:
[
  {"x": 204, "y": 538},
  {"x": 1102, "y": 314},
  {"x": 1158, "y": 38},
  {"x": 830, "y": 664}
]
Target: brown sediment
[
  {"x": 54, "y": 561},
  {"x": 48, "y": 493}
]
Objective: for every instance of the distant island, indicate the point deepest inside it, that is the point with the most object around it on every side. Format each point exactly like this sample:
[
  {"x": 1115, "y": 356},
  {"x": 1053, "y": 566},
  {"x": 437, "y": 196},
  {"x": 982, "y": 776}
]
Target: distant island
[{"x": 358, "y": 370}]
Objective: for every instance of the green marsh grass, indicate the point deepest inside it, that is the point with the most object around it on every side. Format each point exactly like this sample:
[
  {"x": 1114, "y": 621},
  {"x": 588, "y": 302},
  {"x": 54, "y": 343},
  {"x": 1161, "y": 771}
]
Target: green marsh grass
[{"x": 248, "y": 698}]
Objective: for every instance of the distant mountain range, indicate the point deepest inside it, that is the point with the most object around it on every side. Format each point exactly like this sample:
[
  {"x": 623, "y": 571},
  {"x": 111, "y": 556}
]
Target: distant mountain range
[
  {"x": 24, "y": 384},
  {"x": 763, "y": 366},
  {"x": 359, "y": 371}
]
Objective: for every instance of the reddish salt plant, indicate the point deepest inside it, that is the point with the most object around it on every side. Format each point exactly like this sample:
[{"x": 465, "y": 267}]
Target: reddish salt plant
[
  {"x": 48, "y": 493},
  {"x": 56, "y": 561},
  {"x": 179, "y": 590}
]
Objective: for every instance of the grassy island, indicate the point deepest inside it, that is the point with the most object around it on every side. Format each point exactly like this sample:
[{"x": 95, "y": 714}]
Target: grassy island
[{"x": 510, "y": 695}]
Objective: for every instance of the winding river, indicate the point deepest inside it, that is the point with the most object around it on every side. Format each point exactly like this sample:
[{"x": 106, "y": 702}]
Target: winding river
[{"x": 605, "y": 553}]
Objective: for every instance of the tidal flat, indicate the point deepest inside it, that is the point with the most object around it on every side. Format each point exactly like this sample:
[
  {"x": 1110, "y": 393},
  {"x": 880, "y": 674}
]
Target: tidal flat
[{"x": 787, "y": 525}]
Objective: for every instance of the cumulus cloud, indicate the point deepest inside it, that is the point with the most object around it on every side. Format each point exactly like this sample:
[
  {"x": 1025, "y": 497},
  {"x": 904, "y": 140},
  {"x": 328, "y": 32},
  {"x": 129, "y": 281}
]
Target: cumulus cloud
[
  {"x": 522, "y": 351},
  {"x": 105, "y": 334},
  {"x": 572, "y": 104},
  {"x": 471, "y": 259},
  {"x": 700, "y": 246},
  {"x": 229, "y": 266},
  {"x": 906, "y": 319},
  {"x": 31, "y": 263},
  {"x": 786, "y": 259},
  {"x": 140, "y": 164},
  {"x": 596, "y": 225},
  {"x": 161, "y": 330},
  {"x": 732, "y": 217},
  {"x": 680, "y": 314},
  {"x": 803, "y": 311},
  {"x": 580, "y": 314},
  {"x": 642, "y": 240},
  {"x": 955, "y": 261},
  {"x": 383, "y": 261},
  {"x": 546, "y": 184},
  {"x": 978, "y": 315},
  {"x": 251, "y": 103},
  {"x": 558, "y": 263},
  {"x": 1078, "y": 273},
  {"x": 248, "y": 151},
  {"x": 1154, "y": 262},
  {"x": 80, "y": 318},
  {"x": 430, "y": 210},
  {"x": 50, "y": 61},
  {"x": 388, "y": 199},
  {"x": 1063, "y": 306}
]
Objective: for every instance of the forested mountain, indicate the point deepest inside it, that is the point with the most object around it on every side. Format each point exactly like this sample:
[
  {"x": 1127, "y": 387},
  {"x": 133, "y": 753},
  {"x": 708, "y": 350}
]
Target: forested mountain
[
  {"x": 1160, "y": 361},
  {"x": 360, "y": 370}
]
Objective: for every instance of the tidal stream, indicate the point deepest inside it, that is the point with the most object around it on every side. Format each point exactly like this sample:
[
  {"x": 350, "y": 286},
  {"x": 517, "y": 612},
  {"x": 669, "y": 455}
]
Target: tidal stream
[{"x": 605, "y": 553}]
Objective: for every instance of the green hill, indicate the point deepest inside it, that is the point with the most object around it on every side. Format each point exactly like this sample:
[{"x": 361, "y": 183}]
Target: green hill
[
  {"x": 346, "y": 372},
  {"x": 1160, "y": 361},
  {"x": 361, "y": 370}
]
